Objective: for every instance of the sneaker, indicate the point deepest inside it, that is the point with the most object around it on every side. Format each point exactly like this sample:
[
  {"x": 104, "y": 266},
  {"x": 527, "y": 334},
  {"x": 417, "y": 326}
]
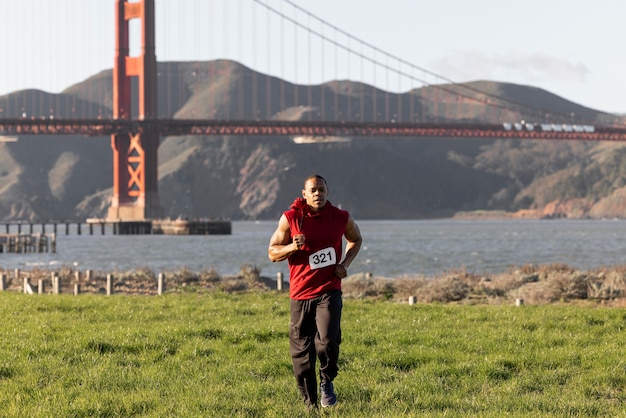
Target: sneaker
[{"x": 329, "y": 398}]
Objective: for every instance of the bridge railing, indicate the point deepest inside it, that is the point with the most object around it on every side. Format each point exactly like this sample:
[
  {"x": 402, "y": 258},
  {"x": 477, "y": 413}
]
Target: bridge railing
[{"x": 176, "y": 127}]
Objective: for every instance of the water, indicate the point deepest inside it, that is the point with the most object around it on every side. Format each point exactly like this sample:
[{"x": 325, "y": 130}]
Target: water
[{"x": 390, "y": 248}]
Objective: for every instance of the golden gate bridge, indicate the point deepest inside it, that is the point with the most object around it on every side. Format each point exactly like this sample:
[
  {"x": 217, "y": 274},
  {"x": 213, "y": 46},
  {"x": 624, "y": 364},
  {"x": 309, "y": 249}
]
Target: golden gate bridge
[{"x": 135, "y": 119}]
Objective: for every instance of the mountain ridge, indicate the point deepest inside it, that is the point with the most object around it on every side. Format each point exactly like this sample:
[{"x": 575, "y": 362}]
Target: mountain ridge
[{"x": 257, "y": 177}]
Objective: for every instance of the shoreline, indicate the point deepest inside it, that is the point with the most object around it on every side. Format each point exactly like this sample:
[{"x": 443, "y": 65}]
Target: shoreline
[
  {"x": 531, "y": 284},
  {"x": 503, "y": 215}
]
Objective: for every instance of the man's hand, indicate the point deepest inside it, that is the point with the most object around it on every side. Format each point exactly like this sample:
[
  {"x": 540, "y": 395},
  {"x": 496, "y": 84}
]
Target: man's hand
[
  {"x": 341, "y": 271},
  {"x": 299, "y": 241}
]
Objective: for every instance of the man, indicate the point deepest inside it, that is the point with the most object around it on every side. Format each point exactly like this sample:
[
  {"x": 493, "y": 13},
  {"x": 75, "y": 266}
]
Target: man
[{"x": 310, "y": 236}]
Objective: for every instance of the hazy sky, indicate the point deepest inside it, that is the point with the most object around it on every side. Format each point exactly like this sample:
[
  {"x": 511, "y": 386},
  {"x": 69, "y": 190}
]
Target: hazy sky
[{"x": 573, "y": 48}]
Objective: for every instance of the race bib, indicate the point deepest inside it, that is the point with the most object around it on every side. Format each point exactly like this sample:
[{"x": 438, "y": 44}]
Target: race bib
[{"x": 322, "y": 258}]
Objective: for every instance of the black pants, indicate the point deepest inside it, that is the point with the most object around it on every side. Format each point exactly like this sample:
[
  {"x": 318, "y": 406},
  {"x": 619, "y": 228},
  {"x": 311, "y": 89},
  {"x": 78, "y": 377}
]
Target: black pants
[{"x": 315, "y": 332}]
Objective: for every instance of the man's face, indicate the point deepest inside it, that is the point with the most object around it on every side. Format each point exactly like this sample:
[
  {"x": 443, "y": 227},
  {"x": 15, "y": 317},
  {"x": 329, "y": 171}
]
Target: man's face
[{"x": 315, "y": 193}]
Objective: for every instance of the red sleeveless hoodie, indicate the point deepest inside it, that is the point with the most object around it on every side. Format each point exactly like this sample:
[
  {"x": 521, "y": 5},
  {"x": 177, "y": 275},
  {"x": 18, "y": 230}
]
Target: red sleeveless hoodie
[{"x": 312, "y": 269}]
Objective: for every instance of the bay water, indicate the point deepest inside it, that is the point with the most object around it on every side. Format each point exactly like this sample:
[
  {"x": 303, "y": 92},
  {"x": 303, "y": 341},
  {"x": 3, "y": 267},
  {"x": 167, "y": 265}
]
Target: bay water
[{"x": 391, "y": 248}]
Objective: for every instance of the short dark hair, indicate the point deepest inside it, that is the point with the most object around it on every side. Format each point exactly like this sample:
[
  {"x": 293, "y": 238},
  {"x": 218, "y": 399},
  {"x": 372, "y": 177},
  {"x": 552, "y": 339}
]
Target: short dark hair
[{"x": 316, "y": 177}]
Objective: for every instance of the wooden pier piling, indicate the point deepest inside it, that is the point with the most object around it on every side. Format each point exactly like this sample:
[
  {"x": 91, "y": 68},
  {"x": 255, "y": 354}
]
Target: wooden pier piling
[
  {"x": 27, "y": 243},
  {"x": 118, "y": 227}
]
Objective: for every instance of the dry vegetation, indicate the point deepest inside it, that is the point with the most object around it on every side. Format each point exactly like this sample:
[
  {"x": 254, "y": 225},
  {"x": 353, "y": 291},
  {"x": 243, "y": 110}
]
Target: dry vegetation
[
  {"x": 543, "y": 284},
  {"x": 136, "y": 282}
]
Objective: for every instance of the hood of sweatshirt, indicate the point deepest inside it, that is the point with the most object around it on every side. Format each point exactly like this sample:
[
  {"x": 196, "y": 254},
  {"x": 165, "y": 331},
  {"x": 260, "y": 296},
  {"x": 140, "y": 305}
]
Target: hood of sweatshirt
[{"x": 300, "y": 205}]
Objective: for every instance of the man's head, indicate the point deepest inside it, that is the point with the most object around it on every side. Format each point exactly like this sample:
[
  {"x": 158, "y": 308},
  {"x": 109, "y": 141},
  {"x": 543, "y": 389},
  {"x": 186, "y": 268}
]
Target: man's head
[{"x": 315, "y": 191}]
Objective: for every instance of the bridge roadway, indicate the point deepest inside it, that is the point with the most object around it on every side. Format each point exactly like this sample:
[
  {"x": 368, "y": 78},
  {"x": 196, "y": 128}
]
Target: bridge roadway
[{"x": 178, "y": 127}]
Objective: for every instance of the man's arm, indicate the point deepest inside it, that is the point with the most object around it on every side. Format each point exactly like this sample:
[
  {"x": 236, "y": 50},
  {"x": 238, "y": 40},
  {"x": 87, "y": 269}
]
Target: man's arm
[
  {"x": 353, "y": 245},
  {"x": 281, "y": 244}
]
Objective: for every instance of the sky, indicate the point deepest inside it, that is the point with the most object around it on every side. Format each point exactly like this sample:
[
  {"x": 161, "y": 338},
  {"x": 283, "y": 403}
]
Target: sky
[{"x": 572, "y": 48}]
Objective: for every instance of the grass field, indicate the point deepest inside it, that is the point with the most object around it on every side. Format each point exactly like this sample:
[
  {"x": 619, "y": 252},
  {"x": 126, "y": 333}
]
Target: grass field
[{"x": 212, "y": 354}]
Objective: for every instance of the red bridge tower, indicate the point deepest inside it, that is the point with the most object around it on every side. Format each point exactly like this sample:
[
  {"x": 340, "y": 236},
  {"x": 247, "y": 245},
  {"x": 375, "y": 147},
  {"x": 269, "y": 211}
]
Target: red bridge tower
[{"x": 135, "y": 182}]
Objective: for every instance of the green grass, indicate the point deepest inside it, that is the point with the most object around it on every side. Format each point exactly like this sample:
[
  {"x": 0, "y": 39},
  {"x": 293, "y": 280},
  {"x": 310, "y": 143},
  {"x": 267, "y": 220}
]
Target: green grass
[{"x": 226, "y": 355}]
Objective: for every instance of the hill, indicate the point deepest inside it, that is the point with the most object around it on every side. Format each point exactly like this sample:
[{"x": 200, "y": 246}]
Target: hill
[{"x": 45, "y": 177}]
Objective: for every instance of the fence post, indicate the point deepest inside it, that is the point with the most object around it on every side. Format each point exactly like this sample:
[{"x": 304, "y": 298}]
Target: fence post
[
  {"x": 3, "y": 281},
  {"x": 109, "y": 284},
  {"x": 279, "y": 281},
  {"x": 40, "y": 287},
  {"x": 27, "y": 289},
  {"x": 160, "y": 283},
  {"x": 56, "y": 283},
  {"x": 76, "y": 282}
]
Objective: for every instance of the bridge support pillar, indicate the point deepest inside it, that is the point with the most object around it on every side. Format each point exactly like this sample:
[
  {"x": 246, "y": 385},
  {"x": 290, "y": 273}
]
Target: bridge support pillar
[{"x": 135, "y": 162}]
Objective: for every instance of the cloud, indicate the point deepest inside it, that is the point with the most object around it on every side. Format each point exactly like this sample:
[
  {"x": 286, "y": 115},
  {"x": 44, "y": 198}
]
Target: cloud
[{"x": 513, "y": 65}]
